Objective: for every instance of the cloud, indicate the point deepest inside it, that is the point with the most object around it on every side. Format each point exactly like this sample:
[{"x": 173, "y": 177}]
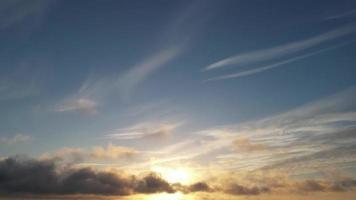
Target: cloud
[
  {"x": 82, "y": 105},
  {"x": 237, "y": 189},
  {"x": 310, "y": 186},
  {"x": 145, "y": 130},
  {"x": 31, "y": 176},
  {"x": 22, "y": 175},
  {"x": 18, "y": 138},
  {"x": 153, "y": 184},
  {"x": 245, "y": 145},
  {"x": 13, "y": 12},
  {"x": 282, "y": 50},
  {"x": 274, "y": 65},
  {"x": 173, "y": 40},
  {"x": 97, "y": 90},
  {"x": 252, "y": 184},
  {"x": 112, "y": 152},
  {"x": 311, "y": 138},
  {"x": 141, "y": 71},
  {"x": 200, "y": 187},
  {"x": 341, "y": 185},
  {"x": 349, "y": 13}
]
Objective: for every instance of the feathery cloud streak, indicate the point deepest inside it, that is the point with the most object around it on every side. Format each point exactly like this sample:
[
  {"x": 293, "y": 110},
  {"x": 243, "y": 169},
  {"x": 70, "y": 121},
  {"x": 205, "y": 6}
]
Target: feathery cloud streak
[
  {"x": 282, "y": 50},
  {"x": 13, "y": 12},
  {"x": 148, "y": 66},
  {"x": 145, "y": 130},
  {"x": 274, "y": 65}
]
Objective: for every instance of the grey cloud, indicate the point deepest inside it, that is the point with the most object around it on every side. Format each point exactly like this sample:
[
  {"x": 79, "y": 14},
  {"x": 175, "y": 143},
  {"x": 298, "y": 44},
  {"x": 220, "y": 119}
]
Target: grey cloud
[
  {"x": 31, "y": 176},
  {"x": 153, "y": 184},
  {"x": 329, "y": 186},
  {"x": 238, "y": 189},
  {"x": 25, "y": 176},
  {"x": 200, "y": 187}
]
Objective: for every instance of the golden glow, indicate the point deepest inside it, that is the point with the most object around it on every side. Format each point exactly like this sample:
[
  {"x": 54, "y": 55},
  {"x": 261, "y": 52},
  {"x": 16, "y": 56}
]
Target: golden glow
[
  {"x": 166, "y": 196},
  {"x": 175, "y": 175}
]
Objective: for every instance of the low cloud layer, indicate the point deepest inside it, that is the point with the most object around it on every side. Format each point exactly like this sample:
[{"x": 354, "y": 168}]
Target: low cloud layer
[
  {"x": 21, "y": 176},
  {"x": 31, "y": 176}
]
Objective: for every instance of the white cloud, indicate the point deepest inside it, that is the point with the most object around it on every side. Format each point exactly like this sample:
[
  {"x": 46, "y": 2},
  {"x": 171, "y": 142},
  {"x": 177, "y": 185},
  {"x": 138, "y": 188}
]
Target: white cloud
[
  {"x": 349, "y": 13},
  {"x": 314, "y": 136},
  {"x": 145, "y": 130},
  {"x": 282, "y": 50},
  {"x": 82, "y": 105},
  {"x": 274, "y": 65},
  {"x": 141, "y": 71}
]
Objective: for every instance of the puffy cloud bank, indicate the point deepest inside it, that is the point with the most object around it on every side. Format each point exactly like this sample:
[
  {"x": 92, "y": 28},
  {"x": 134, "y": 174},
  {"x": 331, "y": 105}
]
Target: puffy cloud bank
[
  {"x": 20, "y": 175},
  {"x": 31, "y": 176}
]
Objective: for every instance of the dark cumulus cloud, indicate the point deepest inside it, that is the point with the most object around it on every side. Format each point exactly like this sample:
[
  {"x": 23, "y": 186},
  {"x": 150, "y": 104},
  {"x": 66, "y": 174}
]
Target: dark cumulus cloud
[
  {"x": 31, "y": 176},
  {"x": 319, "y": 185},
  {"x": 24, "y": 176},
  {"x": 238, "y": 189}
]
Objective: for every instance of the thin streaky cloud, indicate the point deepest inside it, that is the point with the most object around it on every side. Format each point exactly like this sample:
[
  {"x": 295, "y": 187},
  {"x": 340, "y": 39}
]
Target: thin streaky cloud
[
  {"x": 275, "y": 65},
  {"x": 342, "y": 15},
  {"x": 145, "y": 130},
  {"x": 282, "y": 50},
  {"x": 148, "y": 66},
  {"x": 82, "y": 105},
  {"x": 13, "y": 12}
]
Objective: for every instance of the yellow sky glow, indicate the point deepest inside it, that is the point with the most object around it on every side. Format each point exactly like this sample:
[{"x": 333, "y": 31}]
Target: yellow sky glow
[{"x": 175, "y": 175}]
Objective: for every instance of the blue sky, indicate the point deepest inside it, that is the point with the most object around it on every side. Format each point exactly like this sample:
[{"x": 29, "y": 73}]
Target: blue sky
[{"x": 162, "y": 75}]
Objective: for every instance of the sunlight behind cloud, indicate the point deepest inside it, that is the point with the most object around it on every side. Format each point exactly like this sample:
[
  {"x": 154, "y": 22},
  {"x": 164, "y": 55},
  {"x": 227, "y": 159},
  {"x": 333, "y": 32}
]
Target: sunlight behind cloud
[{"x": 175, "y": 175}]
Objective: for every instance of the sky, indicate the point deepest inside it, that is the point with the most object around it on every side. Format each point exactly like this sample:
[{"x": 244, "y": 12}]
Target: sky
[{"x": 185, "y": 99}]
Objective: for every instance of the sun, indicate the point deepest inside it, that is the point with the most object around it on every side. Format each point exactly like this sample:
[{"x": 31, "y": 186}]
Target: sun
[{"x": 175, "y": 175}]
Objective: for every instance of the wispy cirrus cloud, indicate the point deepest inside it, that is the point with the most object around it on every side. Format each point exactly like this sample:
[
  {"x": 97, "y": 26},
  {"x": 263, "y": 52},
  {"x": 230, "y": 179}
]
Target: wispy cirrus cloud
[
  {"x": 82, "y": 105},
  {"x": 13, "y": 12},
  {"x": 141, "y": 71},
  {"x": 306, "y": 139},
  {"x": 349, "y": 13},
  {"x": 78, "y": 156},
  {"x": 172, "y": 44},
  {"x": 282, "y": 50},
  {"x": 145, "y": 130},
  {"x": 275, "y": 65}
]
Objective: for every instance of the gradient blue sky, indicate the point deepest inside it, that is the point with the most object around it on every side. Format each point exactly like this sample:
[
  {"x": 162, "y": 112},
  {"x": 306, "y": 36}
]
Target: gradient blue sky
[{"x": 157, "y": 74}]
